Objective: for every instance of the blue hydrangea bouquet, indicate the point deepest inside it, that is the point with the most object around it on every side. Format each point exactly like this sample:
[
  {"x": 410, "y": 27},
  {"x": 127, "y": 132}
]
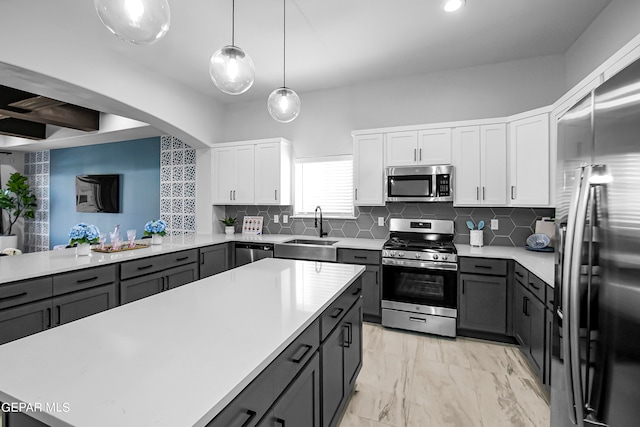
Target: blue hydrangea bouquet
[
  {"x": 83, "y": 233},
  {"x": 155, "y": 227}
]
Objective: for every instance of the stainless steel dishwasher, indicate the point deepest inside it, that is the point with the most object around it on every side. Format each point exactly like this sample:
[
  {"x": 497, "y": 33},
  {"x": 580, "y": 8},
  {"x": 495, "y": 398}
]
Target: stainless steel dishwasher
[{"x": 251, "y": 252}]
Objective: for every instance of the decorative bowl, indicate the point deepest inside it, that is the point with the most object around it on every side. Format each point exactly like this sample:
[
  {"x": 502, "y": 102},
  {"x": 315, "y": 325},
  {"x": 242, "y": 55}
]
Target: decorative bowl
[{"x": 538, "y": 241}]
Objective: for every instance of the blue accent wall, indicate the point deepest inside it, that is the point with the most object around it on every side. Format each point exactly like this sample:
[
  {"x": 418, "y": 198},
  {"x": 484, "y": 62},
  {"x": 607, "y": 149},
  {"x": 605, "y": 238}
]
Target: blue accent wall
[{"x": 137, "y": 162}]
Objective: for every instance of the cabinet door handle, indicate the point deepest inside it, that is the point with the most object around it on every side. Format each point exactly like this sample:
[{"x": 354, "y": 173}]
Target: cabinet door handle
[
  {"x": 513, "y": 187},
  {"x": 526, "y": 306},
  {"x": 48, "y": 317},
  {"x": 463, "y": 281},
  {"x": 305, "y": 348},
  {"x": 356, "y": 194},
  {"x": 345, "y": 342},
  {"x": 90, "y": 279},
  {"x": 10, "y": 297},
  {"x": 162, "y": 284},
  {"x": 275, "y": 194},
  {"x": 280, "y": 421},
  {"x": 477, "y": 193},
  {"x": 234, "y": 194},
  {"x": 144, "y": 267},
  {"x": 483, "y": 193},
  {"x": 202, "y": 259},
  {"x": 250, "y": 416},
  {"x": 58, "y": 314},
  {"x": 415, "y": 155},
  {"x": 420, "y": 155},
  {"x": 230, "y": 195},
  {"x": 350, "y": 330},
  {"x": 336, "y": 313}
]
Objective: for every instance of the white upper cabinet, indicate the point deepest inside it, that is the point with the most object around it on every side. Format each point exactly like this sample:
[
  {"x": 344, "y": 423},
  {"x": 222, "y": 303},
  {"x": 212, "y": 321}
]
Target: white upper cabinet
[
  {"x": 480, "y": 165},
  {"x": 434, "y": 147},
  {"x": 401, "y": 148},
  {"x": 368, "y": 170},
  {"x": 423, "y": 147},
  {"x": 493, "y": 149},
  {"x": 234, "y": 175},
  {"x": 252, "y": 172},
  {"x": 273, "y": 173},
  {"x": 529, "y": 161}
]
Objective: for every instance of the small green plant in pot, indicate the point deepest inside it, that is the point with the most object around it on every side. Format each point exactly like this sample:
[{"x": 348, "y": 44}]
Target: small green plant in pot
[
  {"x": 229, "y": 225},
  {"x": 17, "y": 200}
]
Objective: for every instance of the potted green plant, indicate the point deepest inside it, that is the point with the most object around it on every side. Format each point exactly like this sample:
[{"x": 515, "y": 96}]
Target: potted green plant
[
  {"x": 17, "y": 200},
  {"x": 229, "y": 225}
]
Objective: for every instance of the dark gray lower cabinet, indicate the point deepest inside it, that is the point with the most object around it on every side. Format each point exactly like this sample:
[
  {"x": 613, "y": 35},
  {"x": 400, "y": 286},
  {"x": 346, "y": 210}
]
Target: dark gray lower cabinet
[
  {"x": 214, "y": 259},
  {"x": 549, "y": 343},
  {"x": 299, "y": 405},
  {"x": 74, "y": 306},
  {"x": 144, "y": 286},
  {"x": 483, "y": 303},
  {"x": 530, "y": 327},
  {"x": 371, "y": 293},
  {"x": 27, "y": 319},
  {"x": 341, "y": 358}
]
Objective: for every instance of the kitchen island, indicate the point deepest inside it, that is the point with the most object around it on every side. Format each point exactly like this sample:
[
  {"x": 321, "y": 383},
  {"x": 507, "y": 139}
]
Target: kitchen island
[{"x": 179, "y": 358}]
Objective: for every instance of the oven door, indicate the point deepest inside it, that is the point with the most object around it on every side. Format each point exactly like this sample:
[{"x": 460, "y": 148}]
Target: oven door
[{"x": 432, "y": 284}]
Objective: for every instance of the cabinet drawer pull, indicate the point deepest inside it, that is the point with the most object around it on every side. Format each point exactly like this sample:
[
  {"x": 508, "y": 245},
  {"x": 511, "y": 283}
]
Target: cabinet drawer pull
[
  {"x": 537, "y": 288},
  {"x": 90, "y": 279},
  {"x": 182, "y": 258},
  {"x": 144, "y": 267},
  {"x": 357, "y": 291},
  {"x": 519, "y": 274},
  {"x": 360, "y": 256},
  {"x": 305, "y": 349},
  {"x": 280, "y": 421},
  {"x": 345, "y": 342},
  {"x": 483, "y": 266},
  {"x": 10, "y": 297},
  {"x": 337, "y": 312},
  {"x": 250, "y": 416},
  {"x": 418, "y": 319}
]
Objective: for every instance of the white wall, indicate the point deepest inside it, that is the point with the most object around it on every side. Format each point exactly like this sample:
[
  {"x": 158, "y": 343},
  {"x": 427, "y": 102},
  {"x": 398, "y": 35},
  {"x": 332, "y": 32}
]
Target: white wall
[
  {"x": 615, "y": 26},
  {"x": 328, "y": 117}
]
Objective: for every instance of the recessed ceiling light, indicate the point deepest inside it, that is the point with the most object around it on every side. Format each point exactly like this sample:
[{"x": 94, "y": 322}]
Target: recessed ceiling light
[{"x": 453, "y": 5}]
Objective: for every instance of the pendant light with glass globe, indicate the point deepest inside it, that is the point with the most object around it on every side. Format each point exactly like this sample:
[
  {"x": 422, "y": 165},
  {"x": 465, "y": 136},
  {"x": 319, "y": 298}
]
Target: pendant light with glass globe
[
  {"x": 284, "y": 103},
  {"x": 135, "y": 21},
  {"x": 230, "y": 68}
]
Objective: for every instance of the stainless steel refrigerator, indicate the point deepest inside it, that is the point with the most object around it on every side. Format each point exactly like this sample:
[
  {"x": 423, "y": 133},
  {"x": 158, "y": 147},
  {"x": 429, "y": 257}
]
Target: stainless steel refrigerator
[{"x": 595, "y": 370}]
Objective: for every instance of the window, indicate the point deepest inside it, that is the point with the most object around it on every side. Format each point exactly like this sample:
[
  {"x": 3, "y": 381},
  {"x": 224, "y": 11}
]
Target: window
[{"x": 326, "y": 182}]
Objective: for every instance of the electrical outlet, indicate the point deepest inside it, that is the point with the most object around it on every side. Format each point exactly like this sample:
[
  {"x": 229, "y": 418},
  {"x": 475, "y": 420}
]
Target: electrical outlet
[
  {"x": 285, "y": 219},
  {"x": 381, "y": 221},
  {"x": 494, "y": 224},
  {"x": 276, "y": 219}
]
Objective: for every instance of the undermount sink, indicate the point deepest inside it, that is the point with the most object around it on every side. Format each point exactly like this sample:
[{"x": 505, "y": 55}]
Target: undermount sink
[
  {"x": 311, "y": 242},
  {"x": 307, "y": 249}
]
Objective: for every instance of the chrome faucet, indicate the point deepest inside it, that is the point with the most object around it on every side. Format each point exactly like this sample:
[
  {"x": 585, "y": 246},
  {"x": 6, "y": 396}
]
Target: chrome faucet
[{"x": 315, "y": 215}]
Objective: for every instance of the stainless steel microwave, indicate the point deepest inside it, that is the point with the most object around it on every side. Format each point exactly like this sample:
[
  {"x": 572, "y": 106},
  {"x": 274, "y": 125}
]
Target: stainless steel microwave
[{"x": 419, "y": 184}]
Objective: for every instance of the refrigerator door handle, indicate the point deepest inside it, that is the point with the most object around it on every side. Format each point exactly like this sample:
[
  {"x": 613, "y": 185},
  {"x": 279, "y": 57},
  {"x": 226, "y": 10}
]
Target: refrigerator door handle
[
  {"x": 575, "y": 410},
  {"x": 574, "y": 293}
]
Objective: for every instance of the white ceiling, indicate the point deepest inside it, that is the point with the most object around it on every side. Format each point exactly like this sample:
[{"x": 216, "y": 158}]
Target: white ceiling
[{"x": 339, "y": 42}]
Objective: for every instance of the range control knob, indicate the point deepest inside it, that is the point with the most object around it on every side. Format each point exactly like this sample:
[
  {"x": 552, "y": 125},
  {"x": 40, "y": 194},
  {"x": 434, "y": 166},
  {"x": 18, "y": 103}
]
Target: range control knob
[
  {"x": 435, "y": 256},
  {"x": 400, "y": 254},
  {"x": 418, "y": 256},
  {"x": 392, "y": 253},
  {"x": 445, "y": 257}
]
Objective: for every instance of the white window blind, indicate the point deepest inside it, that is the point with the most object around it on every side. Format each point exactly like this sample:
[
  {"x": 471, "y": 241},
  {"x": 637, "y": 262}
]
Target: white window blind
[{"x": 326, "y": 182}]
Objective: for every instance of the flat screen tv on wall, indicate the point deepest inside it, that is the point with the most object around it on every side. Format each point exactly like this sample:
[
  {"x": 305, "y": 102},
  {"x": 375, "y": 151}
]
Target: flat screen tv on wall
[{"x": 98, "y": 193}]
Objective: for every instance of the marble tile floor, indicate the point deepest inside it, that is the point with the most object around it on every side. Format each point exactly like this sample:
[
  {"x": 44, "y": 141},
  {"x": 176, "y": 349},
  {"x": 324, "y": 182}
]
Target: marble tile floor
[{"x": 415, "y": 380}]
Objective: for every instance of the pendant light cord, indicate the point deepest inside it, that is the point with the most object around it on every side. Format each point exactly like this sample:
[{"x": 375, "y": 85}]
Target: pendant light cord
[
  {"x": 284, "y": 44},
  {"x": 233, "y": 23}
]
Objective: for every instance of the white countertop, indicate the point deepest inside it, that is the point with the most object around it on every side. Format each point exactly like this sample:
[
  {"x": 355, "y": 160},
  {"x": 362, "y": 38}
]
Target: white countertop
[
  {"x": 176, "y": 358},
  {"x": 39, "y": 264},
  {"x": 539, "y": 263}
]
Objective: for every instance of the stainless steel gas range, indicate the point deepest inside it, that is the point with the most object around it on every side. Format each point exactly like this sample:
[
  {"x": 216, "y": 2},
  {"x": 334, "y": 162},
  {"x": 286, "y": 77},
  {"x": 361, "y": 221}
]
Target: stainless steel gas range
[{"x": 420, "y": 277}]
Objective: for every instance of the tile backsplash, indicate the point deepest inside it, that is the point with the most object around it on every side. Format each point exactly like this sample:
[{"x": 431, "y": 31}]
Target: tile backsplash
[{"x": 514, "y": 224}]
